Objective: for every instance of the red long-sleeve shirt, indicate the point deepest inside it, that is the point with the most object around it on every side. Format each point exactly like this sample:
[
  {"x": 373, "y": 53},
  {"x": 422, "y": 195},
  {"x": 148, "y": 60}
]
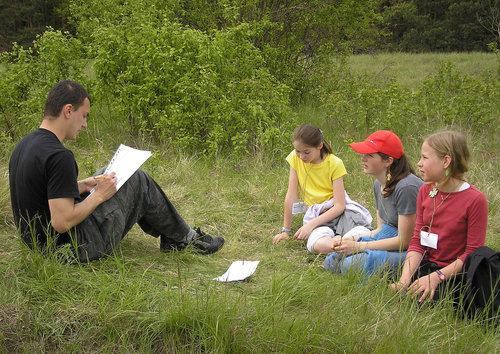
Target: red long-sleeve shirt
[{"x": 460, "y": 222}]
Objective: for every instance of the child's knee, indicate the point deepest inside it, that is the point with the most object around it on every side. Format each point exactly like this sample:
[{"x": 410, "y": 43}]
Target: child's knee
[
  {"x": 356, "y": 231},
  {"x": 316, "y": 235}
]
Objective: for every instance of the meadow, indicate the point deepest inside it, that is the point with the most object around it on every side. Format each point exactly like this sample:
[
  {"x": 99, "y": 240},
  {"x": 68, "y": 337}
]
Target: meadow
[
  {"x": 410, "y": 70},
  {"x": 142, "y": 300}
]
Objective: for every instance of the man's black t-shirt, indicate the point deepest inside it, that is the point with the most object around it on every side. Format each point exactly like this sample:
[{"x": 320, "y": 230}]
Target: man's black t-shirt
[{"x": 40, "y": 168}]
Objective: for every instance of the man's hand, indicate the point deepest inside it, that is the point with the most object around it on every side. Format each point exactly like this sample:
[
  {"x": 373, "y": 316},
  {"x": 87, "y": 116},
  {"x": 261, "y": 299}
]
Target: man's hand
[
  {"x": 105, "y": 186},
  {"x": 86, "y": 185},
  {"x": 65, "y": 213}
]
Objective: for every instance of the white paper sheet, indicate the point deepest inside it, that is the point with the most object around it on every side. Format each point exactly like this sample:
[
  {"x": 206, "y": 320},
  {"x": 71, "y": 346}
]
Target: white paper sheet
[
  {"x": 238, "y": 271},
  {"x": 125, "y": 162}
]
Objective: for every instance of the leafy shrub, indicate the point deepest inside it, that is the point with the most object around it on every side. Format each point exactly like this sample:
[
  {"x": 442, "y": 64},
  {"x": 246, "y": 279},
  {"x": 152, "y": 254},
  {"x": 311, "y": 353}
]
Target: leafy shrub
[
  {"x": 28, "y": 74},
  {"x": 291, "y": 36},
  {"x": 295, "y": 36},
  {"x": 448, "y": 98},
  {"x": 199, "y": 93},
  {"x": 455, "y": 99}
]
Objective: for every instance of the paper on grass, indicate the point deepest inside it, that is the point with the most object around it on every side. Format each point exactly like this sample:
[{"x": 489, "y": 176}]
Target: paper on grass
[
  {"x": 238, "y": 271},
  {"x": 125, "y": 162}
]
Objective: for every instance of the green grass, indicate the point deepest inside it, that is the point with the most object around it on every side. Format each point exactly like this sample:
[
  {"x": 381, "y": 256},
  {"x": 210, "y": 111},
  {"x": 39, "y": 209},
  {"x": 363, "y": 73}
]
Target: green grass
[
  {"x": 142, "y": 300},
  {"x": 410, "y": 70}
]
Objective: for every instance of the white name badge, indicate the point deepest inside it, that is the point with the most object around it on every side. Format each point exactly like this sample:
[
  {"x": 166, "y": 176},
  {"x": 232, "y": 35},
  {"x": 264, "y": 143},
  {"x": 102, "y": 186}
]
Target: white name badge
[
  {"x": 429, "y": 239},
  {"x": 299, "y": 208}
]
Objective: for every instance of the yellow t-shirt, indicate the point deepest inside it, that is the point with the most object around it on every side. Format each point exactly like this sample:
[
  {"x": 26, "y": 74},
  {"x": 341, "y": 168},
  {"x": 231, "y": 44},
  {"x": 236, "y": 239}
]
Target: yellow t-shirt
[{"x": 316, "y": 180}]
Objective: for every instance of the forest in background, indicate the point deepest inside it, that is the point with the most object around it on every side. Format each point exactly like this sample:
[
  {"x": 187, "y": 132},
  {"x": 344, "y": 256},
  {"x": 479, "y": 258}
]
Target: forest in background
[
  {"x": 224, "y": 76},
  {"x": 394, "y": 25}
]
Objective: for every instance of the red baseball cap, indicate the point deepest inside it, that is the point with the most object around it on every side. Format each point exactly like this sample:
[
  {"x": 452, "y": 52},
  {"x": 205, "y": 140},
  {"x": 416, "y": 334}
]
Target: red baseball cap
[{"x": 383, "y": 141}]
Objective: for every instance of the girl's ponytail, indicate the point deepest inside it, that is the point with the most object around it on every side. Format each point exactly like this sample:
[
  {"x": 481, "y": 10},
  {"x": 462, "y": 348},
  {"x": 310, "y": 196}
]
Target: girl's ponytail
[{"x": 327, "y": 149}]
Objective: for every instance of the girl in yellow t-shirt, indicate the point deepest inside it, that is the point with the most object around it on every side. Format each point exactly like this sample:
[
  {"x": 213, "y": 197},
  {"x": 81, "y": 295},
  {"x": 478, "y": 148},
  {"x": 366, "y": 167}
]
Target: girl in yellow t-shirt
[{"x": 318, "y": 174}]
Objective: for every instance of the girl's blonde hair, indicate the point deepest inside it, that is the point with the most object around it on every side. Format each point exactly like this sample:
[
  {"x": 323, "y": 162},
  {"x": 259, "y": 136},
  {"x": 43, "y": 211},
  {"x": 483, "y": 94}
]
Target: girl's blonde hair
[
  {"x": 453, "y": 144},
  {"x": 311, "y": 135}
]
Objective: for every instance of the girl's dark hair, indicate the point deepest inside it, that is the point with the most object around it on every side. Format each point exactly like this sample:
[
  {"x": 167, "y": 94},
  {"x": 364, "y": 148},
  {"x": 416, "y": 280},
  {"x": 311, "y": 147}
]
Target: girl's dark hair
[
  {"x": 399, "y": 169},
  {"x": 63, "y": 93},
  {"x": 310, "y": 135}
]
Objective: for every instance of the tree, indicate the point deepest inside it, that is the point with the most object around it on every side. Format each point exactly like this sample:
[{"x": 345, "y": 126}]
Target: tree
[
  {"x": 23, "y": 20},
  {"x": 489, "y": 17},
  {"x": 439, "y": 25}
]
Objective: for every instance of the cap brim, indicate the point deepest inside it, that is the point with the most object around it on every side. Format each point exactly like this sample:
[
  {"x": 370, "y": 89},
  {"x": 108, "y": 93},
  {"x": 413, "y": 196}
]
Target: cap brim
[{"x": 363, "y": 148}]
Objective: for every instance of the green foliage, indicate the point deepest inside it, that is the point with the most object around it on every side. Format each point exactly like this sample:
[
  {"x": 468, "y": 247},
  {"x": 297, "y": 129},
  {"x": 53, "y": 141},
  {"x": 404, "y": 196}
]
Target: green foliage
[
  {"x": 198, "y": 92},
  {"x": 22, "y": 21},
  {"x": 208, "y": 16},
  {"x": 447, "y": 98},
  {"x": 409, "y": 70},
  {"x": 90, "y": 16},
  {"x": 459, "y": 100},
  {"x": 291, "y": 36},
  {"x": 437, "y": 25},
  {"x": 297, "y": 35},
  {"x": 28, "y": 75}
]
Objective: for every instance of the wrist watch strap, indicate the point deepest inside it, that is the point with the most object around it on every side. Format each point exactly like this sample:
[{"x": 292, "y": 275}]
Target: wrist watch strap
[{"x": 441, "y": 275}]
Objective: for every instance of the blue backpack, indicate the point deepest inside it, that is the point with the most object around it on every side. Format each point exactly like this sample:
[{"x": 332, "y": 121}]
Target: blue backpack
[{"x": 482, "y": 296}]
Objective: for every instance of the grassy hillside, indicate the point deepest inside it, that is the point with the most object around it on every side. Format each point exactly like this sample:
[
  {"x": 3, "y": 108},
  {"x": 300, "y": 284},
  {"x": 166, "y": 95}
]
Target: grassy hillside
[
  {"x": 142, "y": 300},
  {"x": 410, "y": 70}
]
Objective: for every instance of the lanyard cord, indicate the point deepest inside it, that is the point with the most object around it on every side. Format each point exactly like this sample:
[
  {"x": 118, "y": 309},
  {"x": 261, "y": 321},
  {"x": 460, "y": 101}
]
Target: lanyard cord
[
  {"x": 303, "y": 189},
  {"x": 436, "y": 208}
]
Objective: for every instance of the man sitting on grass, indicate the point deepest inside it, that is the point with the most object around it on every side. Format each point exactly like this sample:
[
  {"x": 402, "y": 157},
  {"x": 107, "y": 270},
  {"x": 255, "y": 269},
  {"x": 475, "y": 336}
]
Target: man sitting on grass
[{"x": 49, "y": 203}]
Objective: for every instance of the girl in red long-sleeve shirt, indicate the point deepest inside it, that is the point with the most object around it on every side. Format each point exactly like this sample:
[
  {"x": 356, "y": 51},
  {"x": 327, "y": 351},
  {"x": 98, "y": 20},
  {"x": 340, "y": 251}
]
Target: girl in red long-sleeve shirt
[{"x": 451, "y": 218}]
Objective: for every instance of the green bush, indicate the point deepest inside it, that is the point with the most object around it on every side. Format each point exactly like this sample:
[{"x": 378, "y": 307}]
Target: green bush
[
  {"x": 28, "y": 74},
  {"x": 459, "y": 100},
  {"x": 292, "y": 36},
  {"x": 446, "y": 99},
  {"x": 199, "y": 93}
]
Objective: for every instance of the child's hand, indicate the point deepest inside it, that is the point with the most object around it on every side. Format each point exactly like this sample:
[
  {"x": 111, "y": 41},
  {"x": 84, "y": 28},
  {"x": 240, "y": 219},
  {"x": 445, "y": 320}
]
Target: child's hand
[
  {"x": 303, "y": 233},
  {"x": 426, "y": 286},
  {"x": 346, "y": 247},
  {"x": 282, "y": 236},
  {"x": 398, "y": 287},
  {"x": 401, "y": 286}
]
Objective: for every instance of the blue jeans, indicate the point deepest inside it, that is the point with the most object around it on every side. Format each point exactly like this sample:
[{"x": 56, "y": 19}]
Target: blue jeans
[{"x": 369, "y": 261}]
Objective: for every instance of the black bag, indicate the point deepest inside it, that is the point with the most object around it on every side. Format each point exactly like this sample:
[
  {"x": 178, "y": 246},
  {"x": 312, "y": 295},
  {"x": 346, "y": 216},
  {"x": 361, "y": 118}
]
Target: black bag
[{"x": 482, "y": 295}]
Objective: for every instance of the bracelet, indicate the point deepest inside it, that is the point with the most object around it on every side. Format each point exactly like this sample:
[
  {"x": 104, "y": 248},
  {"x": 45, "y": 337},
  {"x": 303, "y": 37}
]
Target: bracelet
[
  {"x": 284, "y": 229},
  {"x": 440, "y": 275}
]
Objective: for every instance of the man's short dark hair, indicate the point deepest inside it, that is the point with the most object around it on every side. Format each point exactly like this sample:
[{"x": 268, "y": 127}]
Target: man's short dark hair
[{"x": 63, "y": 93}]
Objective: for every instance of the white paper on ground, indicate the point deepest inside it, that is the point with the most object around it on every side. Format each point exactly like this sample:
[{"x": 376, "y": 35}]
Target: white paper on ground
[{"x": 238, "y": 271}]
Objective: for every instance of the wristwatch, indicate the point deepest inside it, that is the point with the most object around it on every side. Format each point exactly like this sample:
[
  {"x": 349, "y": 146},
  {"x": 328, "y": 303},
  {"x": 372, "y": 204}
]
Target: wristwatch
[
  {"x": 284, "y": 229},
  {"x": 440, "y": 275}
]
